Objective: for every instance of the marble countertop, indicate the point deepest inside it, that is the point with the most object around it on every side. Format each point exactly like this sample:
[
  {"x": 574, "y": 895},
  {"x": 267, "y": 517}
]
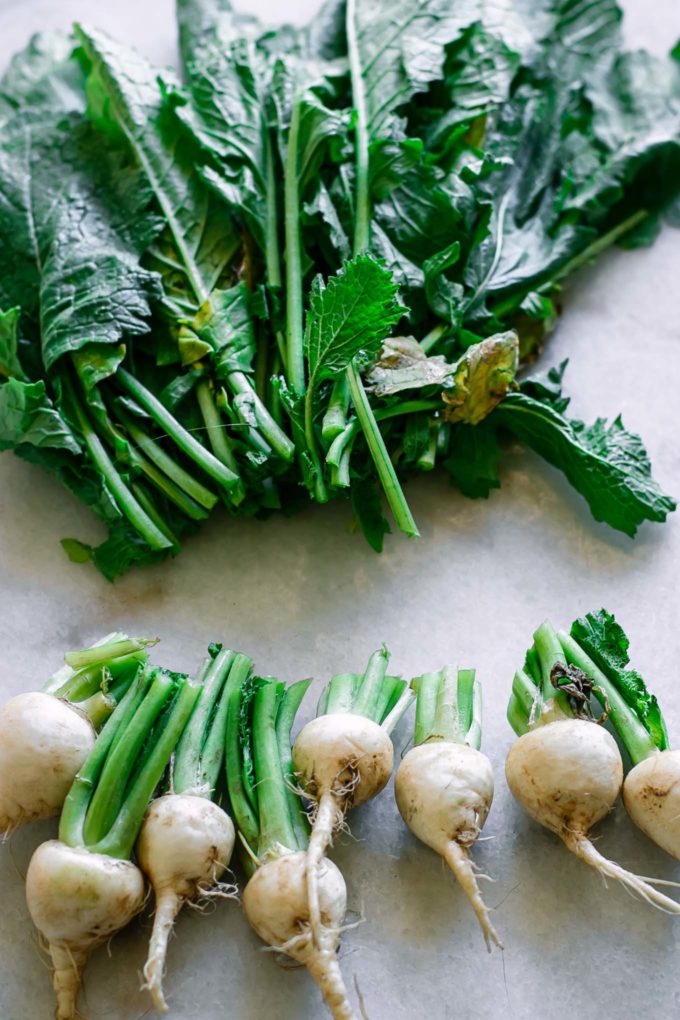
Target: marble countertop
[{"x": 307, "y": 597}]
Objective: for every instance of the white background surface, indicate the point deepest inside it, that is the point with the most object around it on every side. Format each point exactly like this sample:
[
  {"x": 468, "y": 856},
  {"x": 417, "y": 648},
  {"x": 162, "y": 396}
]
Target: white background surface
[{"x": 305, "y": 597}]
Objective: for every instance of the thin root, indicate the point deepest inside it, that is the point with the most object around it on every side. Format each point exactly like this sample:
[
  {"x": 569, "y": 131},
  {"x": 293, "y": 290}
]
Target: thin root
[
  {"x": 580, "y": 845},
  {"x": 328, "y": 816},
  {"x": 458, "y": 859}
]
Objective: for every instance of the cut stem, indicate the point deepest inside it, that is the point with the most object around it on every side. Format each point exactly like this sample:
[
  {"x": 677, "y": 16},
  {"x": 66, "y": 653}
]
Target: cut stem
[
  {"x": 381, "y": 458},
  {"x": 184, "y": 440}
]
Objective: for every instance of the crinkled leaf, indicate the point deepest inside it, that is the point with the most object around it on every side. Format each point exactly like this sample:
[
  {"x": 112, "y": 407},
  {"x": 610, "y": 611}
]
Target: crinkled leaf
[
  {"x": 28, "y": 417},
  {"x": 482, "y": 377},
  {"x": 606, "y": 464},
  {"x": 605, "y": 641},
  {"x": 472, "y": 459},
  {"x": 9, "y": 344},
  {"x": 351, "y": 313},
  {"x": 127, "y": 101},
  {"x": 74, "y": 222}
]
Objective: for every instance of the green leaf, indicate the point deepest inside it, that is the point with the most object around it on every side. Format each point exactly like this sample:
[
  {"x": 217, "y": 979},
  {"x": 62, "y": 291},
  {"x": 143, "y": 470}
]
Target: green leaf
[
  {"x": 367, "y": 505},
  {"x": 229, "y": 77},
  {"x": 400, "y": 49},
  {"x": 75, "y": 222},
  {"x": 29, "y": 418},
  {"x": 472, "y": 461},
  {"x": 605, "y": 463},
  {"x": 9, "y": 344},
  {"x": 127, "y": 101},
  {"x": 605, "y": 641},
  {"x": 349, "y": 315},
  {"x": 225, "y": 325}
]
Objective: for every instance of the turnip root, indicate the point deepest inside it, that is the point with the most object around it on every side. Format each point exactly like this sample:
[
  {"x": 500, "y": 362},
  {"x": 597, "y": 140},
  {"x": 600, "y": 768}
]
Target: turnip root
[
  {"x": 186, "y": 841},
  {"x": 43, "y": 743},
  {"x": 82, "y": 888},
  {"x": 567, "y": 772},
  {"x": 45, "y": 736},
  {"x": 274, "y": 832},
  {"x": 651, "y": 791},
  {"x": 276, "y": 904},
  {"x": 444, "y": 785},
  {"x": 345, "y": 757},
  {"x": 77, "y": 900},
  {"x": 184, "y": 848}
]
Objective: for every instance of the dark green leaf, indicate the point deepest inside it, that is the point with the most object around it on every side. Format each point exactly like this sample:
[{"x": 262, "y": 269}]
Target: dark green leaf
[
  {"x": 29, "y": 418},
  {"x": 605, "y": 641},
  {"x": 605, "y": 463},
  {"x": 367, "y": 505},
  {"x": 9, "y": 344},
  {"x": 472, "y": 460}
]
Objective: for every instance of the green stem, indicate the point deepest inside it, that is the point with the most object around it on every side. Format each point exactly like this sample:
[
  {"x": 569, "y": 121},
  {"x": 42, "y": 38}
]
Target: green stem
[
  {"x": 447, "y": 724},
  {"x": 432, "y": 338},
  {"x": 288, "y": 709},
  {"x": 517, "y": 717},
  {"x": 177, "y": 474},
  {"x": 276, "y": 825},
  {"x": 239, "y": 796},
  {"x": 340, "y": 693},
  {"x": 121, "y": 839},
  {"x": 635, "y": 737},
  {"x": 339, "y": 444},
  {"x": 398, "y": 709},
  {"x": 271, "y": 431},
  {"x": 272, "y": 240},
  {"x": 294, "y": 307},
  {"x": 362, "y": 209},
  {"x": 550, "y": 654},
  {"x": 389, "y": 693},
  {"x": 100, "y": 655},
  {"x": 184, "y": 440},
  {"x": 532, "y": 666},
  {"x": 426, "y": 688},
  {"x": 370, "y": 684},
  {"x": 122, "y": 495},
  {"x": 74, "y": 812},
  {"x": 469, "y": 702},
  {"x": 200, "y": 751},
  {"x": 168, "y": 488},
  {"x": 216, "y": 431},
  {"x": 473, "y": 737},
  {"x": 149, "y": 507},
  {"x": 110, "y": 793},
  {"x": 335, "y": 418},
  {"x": 320, "y": 491},
  {"x": 381, "y": 458},
  {"x": 528, "y": 692}
]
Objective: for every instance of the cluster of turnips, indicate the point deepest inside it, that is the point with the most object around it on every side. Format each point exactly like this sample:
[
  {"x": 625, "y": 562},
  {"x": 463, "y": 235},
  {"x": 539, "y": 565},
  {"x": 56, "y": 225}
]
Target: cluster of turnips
[{"x": 158, "y": 778}]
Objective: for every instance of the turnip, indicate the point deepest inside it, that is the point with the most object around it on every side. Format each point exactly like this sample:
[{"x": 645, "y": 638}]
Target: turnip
[
  {"x": 345, "y": 756},
  {"x": 444, "y": 785},
  {"x": 651, "y": 790},
  {"x": 274, "y": 832},
  {"x": 45, "y": 736},
  {"x": 186, "y": 841},
  {"x": 82, "y": 888},
  {"x": 565, "y": 769}
]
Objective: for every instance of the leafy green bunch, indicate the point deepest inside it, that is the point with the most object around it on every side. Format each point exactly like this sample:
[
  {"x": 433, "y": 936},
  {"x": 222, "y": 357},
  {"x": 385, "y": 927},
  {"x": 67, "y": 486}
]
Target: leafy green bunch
[{"x": 315, "y": 263}]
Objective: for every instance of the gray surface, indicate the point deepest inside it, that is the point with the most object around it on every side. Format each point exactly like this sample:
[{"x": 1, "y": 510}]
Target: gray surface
[{"x": 304, "y": 597}]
